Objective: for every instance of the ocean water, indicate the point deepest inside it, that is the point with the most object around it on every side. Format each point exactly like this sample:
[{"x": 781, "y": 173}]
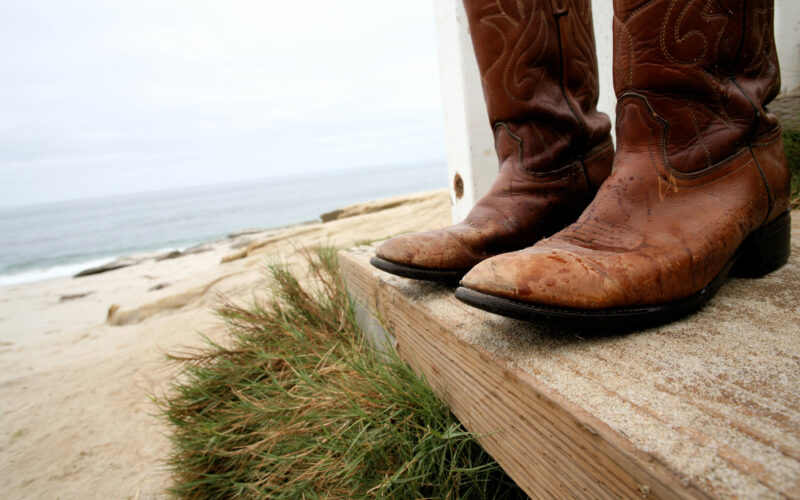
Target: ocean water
[{"x": 59, "y": 239}]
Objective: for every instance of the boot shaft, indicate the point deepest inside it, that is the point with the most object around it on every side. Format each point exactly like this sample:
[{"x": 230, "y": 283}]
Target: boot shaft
[
  {"x": 706, "y": 70},
  {"x": 539, "y": 73}
]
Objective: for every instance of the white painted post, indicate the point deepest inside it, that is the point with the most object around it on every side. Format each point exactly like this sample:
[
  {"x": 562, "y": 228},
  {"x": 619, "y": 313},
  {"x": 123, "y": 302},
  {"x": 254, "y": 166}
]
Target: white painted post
[
  {"x": 787, "y": 39},
  {"x": 470, "y": 145},
  {"x": 603, "y": 20}
]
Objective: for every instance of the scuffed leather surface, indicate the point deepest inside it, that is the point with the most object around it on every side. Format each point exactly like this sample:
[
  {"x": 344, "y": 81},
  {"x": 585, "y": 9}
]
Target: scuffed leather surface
[
  {"x": 645, "y": 239},
  {"x": 519, "y": 209},
  {"x": 553, "y": 145},
  {"x": 681, "y": 199}
]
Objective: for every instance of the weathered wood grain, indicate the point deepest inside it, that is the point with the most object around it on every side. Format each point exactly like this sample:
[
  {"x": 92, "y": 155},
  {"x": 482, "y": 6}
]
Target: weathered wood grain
[{"x": 705, "y": 407}]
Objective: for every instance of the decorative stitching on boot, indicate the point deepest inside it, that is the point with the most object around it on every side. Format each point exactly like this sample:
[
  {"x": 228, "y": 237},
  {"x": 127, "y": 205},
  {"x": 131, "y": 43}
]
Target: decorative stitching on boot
[
  {"x": 676, "y": 36},
  {"x": 520, "y": 48},
  {"x": 520, "y": 156},
  {"x": 697, "y": 130},
  {"x": 624, "y": 28}
]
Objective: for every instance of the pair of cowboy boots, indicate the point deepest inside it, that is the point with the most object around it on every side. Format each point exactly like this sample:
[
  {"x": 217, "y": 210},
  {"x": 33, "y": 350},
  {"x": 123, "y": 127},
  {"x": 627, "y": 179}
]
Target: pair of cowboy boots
[{"x": 570, "y": 232}]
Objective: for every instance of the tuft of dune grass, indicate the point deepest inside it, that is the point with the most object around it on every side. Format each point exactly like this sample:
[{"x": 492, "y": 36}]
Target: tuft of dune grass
[
  {"x": 791, "y": 145},
  {"x": 297, "y": 404}
]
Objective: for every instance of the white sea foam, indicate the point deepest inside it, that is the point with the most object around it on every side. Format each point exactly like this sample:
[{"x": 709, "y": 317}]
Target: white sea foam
[{"x": 50, "y": 272}]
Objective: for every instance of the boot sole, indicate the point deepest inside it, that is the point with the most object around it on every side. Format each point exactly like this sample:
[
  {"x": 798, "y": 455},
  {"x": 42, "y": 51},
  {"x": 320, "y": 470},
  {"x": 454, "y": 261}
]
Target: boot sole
[
  {"x": 764, "y": 251},
  {"x": 418, "y": 273}
]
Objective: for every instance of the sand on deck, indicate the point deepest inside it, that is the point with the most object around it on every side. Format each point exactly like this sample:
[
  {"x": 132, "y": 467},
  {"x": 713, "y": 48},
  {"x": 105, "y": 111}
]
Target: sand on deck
[{"x": 76, "y": 419}]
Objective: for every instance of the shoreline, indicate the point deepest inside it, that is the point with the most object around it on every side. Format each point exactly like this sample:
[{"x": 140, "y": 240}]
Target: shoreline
[
  {"x": 72, "y": 269},
  {"x": 81, "y": 356}
]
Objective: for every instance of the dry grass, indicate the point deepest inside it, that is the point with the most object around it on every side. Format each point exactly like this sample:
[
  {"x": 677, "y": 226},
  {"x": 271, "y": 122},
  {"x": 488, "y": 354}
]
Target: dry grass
[{"x": 299, "y": 406}]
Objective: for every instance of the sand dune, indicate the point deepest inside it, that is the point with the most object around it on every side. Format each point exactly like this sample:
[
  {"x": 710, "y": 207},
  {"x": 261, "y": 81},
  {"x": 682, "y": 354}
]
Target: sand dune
[{"x": 80, "y": 357}]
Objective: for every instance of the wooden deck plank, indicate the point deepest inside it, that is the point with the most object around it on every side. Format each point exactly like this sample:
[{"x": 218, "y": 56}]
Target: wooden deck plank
[{"x": 706, "y": 407}]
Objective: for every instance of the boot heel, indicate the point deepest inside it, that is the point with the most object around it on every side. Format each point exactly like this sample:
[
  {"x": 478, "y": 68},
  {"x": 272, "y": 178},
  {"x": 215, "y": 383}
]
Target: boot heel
[{"x": 765, "y": 250}]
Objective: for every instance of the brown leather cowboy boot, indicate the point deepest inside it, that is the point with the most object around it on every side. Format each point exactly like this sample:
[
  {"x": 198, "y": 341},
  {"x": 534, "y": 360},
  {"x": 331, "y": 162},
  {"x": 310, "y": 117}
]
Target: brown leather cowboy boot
[
  {"x": 700, "y": 186},
  {"x": 539, "y": 72}
]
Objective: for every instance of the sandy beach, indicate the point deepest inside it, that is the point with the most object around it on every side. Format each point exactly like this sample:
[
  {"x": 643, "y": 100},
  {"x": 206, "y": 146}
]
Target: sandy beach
[{"x": 81, "y": 357}]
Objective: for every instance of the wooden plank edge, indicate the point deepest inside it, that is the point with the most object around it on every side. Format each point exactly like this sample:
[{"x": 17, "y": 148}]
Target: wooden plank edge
[{"x": 574, "y": 450}]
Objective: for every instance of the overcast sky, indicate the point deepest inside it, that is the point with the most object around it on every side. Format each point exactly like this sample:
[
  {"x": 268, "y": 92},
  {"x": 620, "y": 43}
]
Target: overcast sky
[{"x": 102, "y": 97}]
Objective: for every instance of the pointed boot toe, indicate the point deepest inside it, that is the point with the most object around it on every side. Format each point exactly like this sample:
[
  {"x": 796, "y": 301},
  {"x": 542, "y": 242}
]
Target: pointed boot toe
[
  {"x": 544, "y": 276},
  {"x": 431, "y": 255},
  {"x": 540, "y": 284}
]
